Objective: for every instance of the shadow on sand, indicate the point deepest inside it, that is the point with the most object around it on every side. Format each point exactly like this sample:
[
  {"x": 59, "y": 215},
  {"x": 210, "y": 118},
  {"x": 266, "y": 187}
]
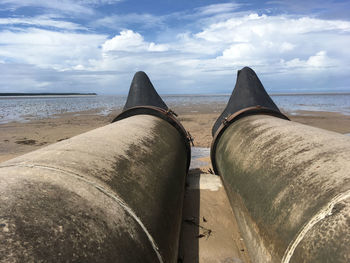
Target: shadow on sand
[{"x": 190, "y": 231}]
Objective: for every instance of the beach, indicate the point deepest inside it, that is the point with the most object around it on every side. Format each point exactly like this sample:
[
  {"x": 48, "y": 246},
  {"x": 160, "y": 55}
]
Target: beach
[
  {"x": 209, "y": 230},
  {"x": 18, "y": 138}
]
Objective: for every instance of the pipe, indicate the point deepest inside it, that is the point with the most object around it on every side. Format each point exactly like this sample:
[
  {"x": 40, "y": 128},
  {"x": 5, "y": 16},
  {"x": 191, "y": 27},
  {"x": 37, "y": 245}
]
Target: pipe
[
  {"x": 288, "y": 184},
  {"x": 113, "y": 194}
]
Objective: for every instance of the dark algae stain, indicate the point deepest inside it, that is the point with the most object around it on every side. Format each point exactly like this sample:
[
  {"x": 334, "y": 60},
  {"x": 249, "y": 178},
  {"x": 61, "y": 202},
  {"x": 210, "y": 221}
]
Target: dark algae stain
[
  {"x": 48, "y": 223},
  {"x": 26, "y": 142},
  {"x": 284, "y": 177},
  {"x": 150, "y": 179}
]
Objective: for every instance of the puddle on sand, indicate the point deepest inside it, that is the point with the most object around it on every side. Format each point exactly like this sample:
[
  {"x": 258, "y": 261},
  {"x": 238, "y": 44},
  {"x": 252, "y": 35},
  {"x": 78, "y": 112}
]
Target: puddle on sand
[{"x": 196, "y": 154}]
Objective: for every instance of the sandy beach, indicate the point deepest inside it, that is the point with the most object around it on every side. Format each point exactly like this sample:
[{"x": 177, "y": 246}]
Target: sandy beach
[
  {"x": 19, "y": 138},
  {"x": 209, "y": 230}
]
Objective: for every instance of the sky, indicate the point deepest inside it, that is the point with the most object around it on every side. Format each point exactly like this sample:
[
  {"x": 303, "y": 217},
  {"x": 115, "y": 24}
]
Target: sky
[{"x": 185, "y": 47}]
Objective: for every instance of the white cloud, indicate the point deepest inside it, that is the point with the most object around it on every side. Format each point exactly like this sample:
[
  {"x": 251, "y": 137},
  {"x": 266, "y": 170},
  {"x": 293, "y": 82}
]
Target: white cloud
[
  {"x": 99, "y": 2},
  {"x": 239, "y": 51},
  {"x": 42, "y": 21},
  {"x": 320, "y": 60},
  {"x": 277, "y": 47},
  {"x": 253, "y": 26},
  {"x": 157, "y": 47},
  {"x": 217, "y": 8},
  {"x": 29, "y": 78},
  {"x": 129, "y": 41},
  {"x": 66, "y": 6},
  {"x": 122, "y": 21},
  {"x": 49, "y": 49},
  {"x": 264, "y": 41},
  {"x": 286, "y": 46}
]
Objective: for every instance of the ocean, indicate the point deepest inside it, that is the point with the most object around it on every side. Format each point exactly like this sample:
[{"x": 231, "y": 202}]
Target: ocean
[{"x": 23, "y": 109}]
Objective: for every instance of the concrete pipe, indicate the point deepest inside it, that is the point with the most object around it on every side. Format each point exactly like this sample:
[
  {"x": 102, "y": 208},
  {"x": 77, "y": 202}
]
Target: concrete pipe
[
  {"x": 113, "y": 194},
  {"x": 288, "y": 183}
]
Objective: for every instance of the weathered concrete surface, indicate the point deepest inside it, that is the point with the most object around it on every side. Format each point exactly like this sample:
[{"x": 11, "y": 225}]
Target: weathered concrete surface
[
  {"x": 113, "y": 194},
  {"x": 209, "y": 231},
  {"x": 289, "y": 187}
]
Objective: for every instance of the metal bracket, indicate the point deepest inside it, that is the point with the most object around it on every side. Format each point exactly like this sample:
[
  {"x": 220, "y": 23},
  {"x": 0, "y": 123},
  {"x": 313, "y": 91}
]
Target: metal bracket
[
  {"x": 170, "y": 111},
  {"x": 225, "y": 121},
  {"x": 190, "y": 138}
]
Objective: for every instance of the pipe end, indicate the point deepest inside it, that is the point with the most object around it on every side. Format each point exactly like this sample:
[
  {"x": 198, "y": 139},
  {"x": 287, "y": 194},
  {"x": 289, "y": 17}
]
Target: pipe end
[
  {"x": 142, "y": 93},
  {"x": 248, "y": 92}
]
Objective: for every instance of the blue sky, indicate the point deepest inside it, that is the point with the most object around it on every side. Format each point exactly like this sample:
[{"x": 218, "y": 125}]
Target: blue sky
[{"x": 184, "y": 46}]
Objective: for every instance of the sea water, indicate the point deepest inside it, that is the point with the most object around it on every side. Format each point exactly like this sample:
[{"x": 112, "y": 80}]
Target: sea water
[{"x": 32, "y": 108}]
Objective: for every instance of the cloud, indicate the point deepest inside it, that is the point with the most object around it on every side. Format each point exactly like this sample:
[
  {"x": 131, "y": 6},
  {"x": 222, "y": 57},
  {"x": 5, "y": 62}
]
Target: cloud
[
  {"x": 251, "y": 26},
  {"x": 265, "y": 40},
  {"x": 326, "y": 9},
  {"x": 50, "y": 49},
  {"x": 122, "y": 21},
  {"x": 65, "y": 6},
  {"x": 19, "y": 77},
  {"x": 129, "y": 41},
  {"x": 99, "y": 2},
  {"x": 318, "y": 61},
  {"x": 218, "y": 8},
  {"x": 42, "y": 21}
]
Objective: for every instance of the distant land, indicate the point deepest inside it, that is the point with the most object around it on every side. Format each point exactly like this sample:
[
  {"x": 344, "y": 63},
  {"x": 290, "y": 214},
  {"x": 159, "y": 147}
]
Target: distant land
[{"x": 47, "y": 94}]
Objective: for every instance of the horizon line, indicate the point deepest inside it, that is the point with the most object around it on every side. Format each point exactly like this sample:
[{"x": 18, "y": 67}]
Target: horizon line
[{"x": 19, "y": 94}]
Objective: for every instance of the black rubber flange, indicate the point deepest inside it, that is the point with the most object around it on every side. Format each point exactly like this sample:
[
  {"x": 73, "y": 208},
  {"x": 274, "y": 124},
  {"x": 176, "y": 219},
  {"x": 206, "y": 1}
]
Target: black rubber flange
[
  {"x": 256, "y": 110},
  {"x": 166, "y": 115}
]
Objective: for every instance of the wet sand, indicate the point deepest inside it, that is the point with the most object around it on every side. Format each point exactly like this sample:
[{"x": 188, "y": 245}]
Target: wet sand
[{"x": 18, "y": 138}]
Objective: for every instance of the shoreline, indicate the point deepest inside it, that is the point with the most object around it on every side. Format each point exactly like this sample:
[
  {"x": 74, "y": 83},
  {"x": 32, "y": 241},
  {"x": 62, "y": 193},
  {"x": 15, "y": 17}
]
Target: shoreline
[
  {"x": 19, "y": 138},
  {"x": 44, "y": 94}
]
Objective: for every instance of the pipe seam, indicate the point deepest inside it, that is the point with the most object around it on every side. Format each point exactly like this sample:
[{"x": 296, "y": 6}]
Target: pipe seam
[
  {"x": 104, "y": 191},
  {"x": 322, "y": 213}
]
